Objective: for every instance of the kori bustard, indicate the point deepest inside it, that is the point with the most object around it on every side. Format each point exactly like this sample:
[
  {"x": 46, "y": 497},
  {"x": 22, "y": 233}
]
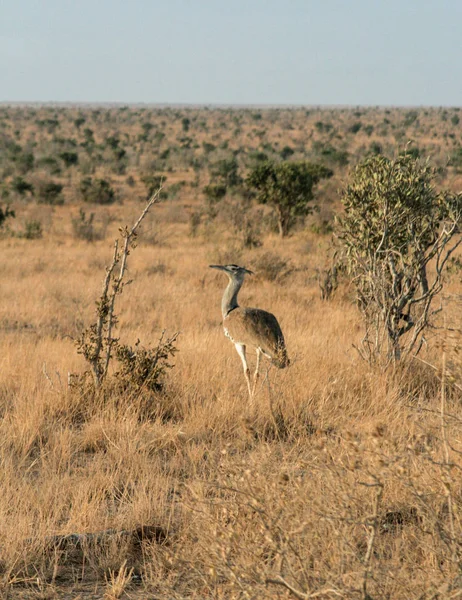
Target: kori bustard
[{"x": 250, "y": 327}]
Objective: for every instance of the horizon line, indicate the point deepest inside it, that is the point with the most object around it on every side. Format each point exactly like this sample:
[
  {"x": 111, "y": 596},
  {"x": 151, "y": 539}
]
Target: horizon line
[{"x": 199, "y": 105}]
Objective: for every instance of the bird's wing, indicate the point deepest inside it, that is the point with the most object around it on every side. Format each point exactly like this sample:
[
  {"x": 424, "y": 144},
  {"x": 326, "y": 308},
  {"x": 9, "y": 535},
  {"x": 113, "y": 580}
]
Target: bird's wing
[{"x": 256, "y": 327}]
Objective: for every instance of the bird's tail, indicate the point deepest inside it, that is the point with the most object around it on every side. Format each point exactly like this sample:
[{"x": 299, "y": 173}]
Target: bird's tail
[{"x": 281, "y": 359}]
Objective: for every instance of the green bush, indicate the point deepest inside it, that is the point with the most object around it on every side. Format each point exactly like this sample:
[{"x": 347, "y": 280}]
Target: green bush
[
  {"x": 323, "y": 127},
  {"x": 394, "y": 226},
  {"x": 21, "y": 186},
  {"x": 455, "y": 160},
  {"x": 375, "y": 148},
  {"x": 6, "y": 213},
  {"x": 287, "y": 152},
  {"x": 50, "y": 164},
  {"x": 49, "y": 192},
  {"x": 153, "y": 183},
  {"x": 69, "y": 158},
  {"x": 97, "y": 191},
  {"x": 411, "y": 151},
  {"x": 226, "y": 172},
  {"x": 215, "y": 191},
  {"x": 331, "y": 154},
  {"x": 24, "y": 162},
  {"x": 355, "y": 127},
  {"x": 208, "y": 147}
]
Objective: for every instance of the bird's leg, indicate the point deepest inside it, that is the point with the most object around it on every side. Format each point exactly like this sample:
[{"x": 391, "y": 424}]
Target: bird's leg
[
  {"x": 241, "y": 351},
  {"x": 256, "y": 375}
]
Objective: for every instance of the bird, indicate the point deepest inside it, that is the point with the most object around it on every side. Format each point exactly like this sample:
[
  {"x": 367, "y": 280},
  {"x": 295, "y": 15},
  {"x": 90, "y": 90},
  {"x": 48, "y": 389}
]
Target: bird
[{"x": 252, "y": 327}]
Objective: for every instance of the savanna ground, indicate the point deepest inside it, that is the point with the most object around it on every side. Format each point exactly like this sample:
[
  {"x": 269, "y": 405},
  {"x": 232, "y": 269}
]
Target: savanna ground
[{"x": 345, "y": 483}]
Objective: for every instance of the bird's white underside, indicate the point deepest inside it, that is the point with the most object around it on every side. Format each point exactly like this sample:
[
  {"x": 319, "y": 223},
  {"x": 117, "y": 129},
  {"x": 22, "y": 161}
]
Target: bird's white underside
[{"x": 236, "y": 343}]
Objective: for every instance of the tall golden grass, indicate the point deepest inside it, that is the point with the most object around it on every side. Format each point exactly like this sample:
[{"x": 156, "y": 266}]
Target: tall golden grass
[{"x": 345, "y": 484}]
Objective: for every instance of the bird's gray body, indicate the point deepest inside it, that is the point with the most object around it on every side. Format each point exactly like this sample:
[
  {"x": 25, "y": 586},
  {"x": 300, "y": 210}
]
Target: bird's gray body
[
  {"x": 252, "y": 327},
  {"x": 259, "y": 329}
]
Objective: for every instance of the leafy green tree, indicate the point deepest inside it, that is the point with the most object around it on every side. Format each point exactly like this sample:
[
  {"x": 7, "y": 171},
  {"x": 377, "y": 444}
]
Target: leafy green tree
[
  {"x": 395, "y": 225},
  {"x": 287, "y": 187}
]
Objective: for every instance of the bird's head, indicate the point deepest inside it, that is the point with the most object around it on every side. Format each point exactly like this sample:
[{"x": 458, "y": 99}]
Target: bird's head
[{"x": 233, "y": 271}]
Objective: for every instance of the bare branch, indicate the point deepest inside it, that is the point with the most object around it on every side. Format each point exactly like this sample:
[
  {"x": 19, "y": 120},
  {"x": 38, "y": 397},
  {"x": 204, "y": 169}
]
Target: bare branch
[{"x": 98, "y": 338}]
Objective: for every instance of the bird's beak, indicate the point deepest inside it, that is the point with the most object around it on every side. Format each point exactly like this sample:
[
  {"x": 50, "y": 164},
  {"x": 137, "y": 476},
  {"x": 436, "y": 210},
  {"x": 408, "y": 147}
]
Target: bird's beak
[{"x": 217, "y": 267}]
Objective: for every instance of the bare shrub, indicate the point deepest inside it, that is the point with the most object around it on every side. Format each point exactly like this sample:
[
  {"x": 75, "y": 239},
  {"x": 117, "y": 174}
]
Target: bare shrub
[
  {"x": 243, "y": 219},
  {"x": 33, "y": 230},
  {"x": 272, "y": 267},
  {"x": 195, "y": 218},
  {"x": 97, "y": 344},
  {"x": 144, "y": 368},
  {"x": 328, "y": 281},
  {"x": 83, "y": 227}
]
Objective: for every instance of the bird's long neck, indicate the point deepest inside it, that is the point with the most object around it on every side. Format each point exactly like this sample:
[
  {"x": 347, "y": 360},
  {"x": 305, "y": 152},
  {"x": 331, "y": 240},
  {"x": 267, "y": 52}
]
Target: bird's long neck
[{"x": 229, "y": 300}]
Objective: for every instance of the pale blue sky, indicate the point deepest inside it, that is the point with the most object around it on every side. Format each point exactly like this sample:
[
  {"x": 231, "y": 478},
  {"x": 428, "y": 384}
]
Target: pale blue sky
[{"x": 353, "y": 52}]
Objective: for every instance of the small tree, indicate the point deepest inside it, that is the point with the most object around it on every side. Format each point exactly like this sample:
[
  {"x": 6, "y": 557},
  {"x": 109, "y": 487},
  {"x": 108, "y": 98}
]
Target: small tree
[
  {"x": 395, "y": 226},
  {"x": 288, "y": 187}
]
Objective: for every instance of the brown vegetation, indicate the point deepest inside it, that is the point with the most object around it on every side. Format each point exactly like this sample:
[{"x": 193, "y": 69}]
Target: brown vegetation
[{"x": 347, "y": 482}]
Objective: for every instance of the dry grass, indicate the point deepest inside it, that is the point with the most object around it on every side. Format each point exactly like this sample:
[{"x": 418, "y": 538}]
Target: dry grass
[
  {"x": 247, "y": 508},
  {"x": 346, "y": 483}
]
